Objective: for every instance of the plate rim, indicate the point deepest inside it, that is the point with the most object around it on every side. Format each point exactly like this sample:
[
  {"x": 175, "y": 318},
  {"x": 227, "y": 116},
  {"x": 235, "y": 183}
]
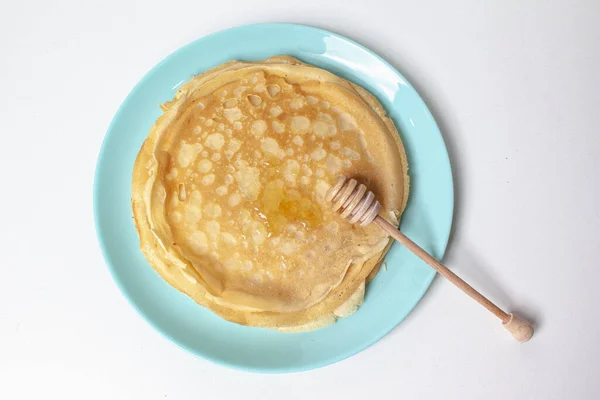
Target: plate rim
[{"x": 220, "y": 361}]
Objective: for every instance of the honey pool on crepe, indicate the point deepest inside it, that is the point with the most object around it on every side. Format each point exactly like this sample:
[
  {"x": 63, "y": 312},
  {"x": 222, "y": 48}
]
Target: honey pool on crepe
[{"x": 228, "y": 192}]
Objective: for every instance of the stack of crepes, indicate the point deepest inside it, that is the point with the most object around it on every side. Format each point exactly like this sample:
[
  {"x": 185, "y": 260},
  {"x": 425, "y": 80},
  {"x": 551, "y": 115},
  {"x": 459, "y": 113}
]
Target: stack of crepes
[{"x": 228, "y": 192}]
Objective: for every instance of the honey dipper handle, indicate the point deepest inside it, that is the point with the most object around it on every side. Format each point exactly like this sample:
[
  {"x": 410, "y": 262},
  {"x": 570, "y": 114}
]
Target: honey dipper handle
[{"x": 519, "y": 328}]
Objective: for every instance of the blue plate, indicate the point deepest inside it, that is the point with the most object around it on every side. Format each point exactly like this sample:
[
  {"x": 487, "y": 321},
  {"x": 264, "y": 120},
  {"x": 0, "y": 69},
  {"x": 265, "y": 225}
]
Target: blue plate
[{"x": 390, "y": 296}]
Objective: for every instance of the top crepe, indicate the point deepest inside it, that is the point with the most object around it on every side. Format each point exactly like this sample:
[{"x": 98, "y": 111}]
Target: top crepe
[{"x": 228, "y": 191}]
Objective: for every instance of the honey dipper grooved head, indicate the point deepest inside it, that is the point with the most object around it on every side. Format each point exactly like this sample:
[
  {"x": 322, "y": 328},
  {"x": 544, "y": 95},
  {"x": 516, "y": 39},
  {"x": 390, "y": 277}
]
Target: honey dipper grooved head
[{"x": 353, "y": 201}]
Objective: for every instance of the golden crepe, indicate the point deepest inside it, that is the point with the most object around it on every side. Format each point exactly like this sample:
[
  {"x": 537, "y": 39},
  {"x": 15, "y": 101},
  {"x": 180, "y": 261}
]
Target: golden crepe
[{"x": 228, "y": 192}]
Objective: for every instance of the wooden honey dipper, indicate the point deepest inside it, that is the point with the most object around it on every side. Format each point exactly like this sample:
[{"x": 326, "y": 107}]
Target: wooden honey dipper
[{"x": 358, "y": 205}]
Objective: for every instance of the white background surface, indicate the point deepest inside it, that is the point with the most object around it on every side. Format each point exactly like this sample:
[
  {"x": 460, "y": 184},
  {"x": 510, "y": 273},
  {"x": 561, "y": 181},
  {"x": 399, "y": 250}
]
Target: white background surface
[{"x": 514, "y": 86}]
